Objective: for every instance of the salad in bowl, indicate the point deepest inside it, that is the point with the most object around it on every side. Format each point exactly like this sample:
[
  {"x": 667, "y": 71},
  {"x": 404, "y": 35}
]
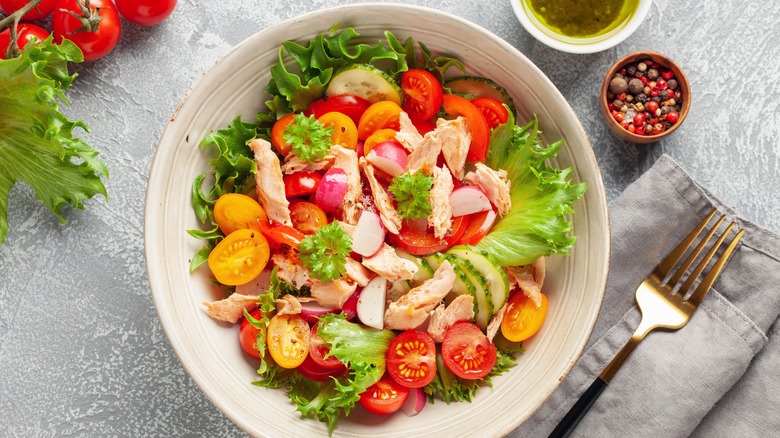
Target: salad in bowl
[{"x": 380, "y": 229}]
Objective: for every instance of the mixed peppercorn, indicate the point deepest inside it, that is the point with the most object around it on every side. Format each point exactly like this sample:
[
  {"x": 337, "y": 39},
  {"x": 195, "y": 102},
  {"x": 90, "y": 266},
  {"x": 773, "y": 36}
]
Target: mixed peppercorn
[{"x": 645, "y": 98}]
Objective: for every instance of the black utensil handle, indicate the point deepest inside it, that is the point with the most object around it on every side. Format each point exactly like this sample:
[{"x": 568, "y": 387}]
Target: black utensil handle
[{"x": 575, "y": 414}]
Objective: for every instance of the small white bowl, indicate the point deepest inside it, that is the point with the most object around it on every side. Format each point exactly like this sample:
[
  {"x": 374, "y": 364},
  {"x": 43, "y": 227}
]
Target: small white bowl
[{"x": 580, "y": 45}]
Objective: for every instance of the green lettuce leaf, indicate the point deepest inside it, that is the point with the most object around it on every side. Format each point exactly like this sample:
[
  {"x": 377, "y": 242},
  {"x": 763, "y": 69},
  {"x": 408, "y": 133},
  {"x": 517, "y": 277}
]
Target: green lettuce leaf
[
  {"x": 36, "y": 140},
  {"x": 541, "y": 197}
]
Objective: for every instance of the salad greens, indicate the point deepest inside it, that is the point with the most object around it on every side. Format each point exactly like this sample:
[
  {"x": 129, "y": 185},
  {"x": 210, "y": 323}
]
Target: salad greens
[
  {"x": 412, "y": 191},
  {"x": 324, "y": 253},
  {"x": 37, "y": 145}
]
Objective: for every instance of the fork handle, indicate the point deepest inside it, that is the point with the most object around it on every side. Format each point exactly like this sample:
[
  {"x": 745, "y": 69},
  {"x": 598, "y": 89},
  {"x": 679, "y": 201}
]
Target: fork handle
[{"x": 575, "y": 414}]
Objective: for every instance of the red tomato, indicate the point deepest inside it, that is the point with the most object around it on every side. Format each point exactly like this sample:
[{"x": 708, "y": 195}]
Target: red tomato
[
  {"x": 247, "y": 335},
  {"x": 384, "y": 397},
  {"x": 312, "y": 371},
  {"x": 411, "y": 359},
  {"x": 96, "y": 34},
  {"x": 479, "y": 225},
  {"x": 145, "y": 12},
  {"x": 346, "y": 104},
  {"x": 422, "y": 94},
  {"x": 494, "y": 111},
  {"x": 478, "y": 126},
  {"x": 424, "y": 126},
  {"x": 301, "y": 183},
  {"x": 278, "y": 234},
  {"x": 467, "y": 352},
  {"x": 277, "y": 134},
  {"x": 423, "y": 242},
  {"x": 42, "y": 9},
  {"x": 307, "y": 217},
  {"x": 318, "y": 349},
  {"x": 25, "y": 33}
]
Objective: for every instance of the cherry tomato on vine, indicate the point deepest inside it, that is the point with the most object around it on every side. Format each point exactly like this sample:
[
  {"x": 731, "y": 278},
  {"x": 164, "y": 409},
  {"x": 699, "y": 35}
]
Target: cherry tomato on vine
[
  {"x": 41, "y": 10},
  {"x": 494, "y": 111},
  {"x": 145, "y": 12},
  {"x": 467, "y": 352},
  {"x": 247, "y": 335},
  {"x": 26, "y": 32},
  {"x": 422, "y": 94},
  {"x": 411, "y": 359},
  {"x": 96, "y": 33},
  {"x": 384, "y": 397},
  {"x": 239, "y": 257},
  {"x": 478, "y": 126}
]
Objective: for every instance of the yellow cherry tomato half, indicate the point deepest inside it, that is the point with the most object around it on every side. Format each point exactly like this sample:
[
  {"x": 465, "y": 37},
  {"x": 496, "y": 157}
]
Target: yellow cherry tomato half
[
  {"x": 379, "y": 136},
  {"x": 307, "y": 217},
  {"x": 288, "y": 338},
  {"x": 380, "y": 115},
  {"x": 345, "y": 133},
  {"x": 522, "y": 318},
  {"x": 234, "y": 211},
  {"x": 239, "y": 257}
]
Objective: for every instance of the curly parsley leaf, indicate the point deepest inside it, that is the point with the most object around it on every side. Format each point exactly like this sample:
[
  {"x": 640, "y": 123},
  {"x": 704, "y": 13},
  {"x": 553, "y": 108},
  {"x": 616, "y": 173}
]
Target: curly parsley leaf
[
  {"x": 310, "y": 140},
  {"x": 411, "y": 192},
  {"x": 325, "y": 252}
]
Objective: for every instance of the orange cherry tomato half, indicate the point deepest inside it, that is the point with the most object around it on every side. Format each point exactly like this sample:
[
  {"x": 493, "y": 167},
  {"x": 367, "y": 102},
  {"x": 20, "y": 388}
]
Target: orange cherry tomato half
[
  {"x": 247, "y": 335},
  {"x": 307, "y": 217},
  {"x": 234, "y": 211},
  {"x": 288, "y": 338},
  {"x": 345, "y": 132},
  {"x": 384, "y": 397},
  {"x": 239, "y": 257},
  {"x": 467, "y": 352},
  {"x": 379, "y": 136},
  {"x": 277, "y": 133},
  {"x": 478, "y": 126},
  {"x": 411, "y": 359},
  {"x": 494, "y": 111},
  {"x": 479, "y": 225},
  {"x": 380, "y": 115},
  {"x": 424, "y": 242},
  {"x": 422, "y": 94},
  {"x": 301, "y": 183},
  {"x": 522, "y": 319}
]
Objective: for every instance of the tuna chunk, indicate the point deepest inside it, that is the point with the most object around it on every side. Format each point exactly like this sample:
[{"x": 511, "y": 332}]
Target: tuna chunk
[
  {"x": 389, "y": 265},
  {"x": 290, "y": 270},
  {"x": 529, "y": 278},
  {"x": 408, "y": 135},
  {"x": 294, "y": 163},
  {"x": 231, "y": 309},
  {"x": 411, "y": 310},
  {"x": 387, "y": 212},
  {"x": 347, "y": 160},
  {"x": 288, "y": 305},
  {"x": 332, "y": 294},
  {"x": 269, "y": 183},
  {"x": 495, "y": 323},
  {"x": 426, "y": 153},
  {"x": 495, "y": 185},
  {"x": 441, "y": 211},
  {"x": 357, "y": 272},
  {"x": 460, "y": 309},
  {"x": 456, "y": 140}
]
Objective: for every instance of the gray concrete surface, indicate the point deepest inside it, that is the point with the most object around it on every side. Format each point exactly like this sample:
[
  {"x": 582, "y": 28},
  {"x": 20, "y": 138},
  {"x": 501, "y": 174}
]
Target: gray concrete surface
[{"x": 82, "y": 352}]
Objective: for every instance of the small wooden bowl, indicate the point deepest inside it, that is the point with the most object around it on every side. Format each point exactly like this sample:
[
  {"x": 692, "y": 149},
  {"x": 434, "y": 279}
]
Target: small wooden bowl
[{"x": 663, "y": 61}]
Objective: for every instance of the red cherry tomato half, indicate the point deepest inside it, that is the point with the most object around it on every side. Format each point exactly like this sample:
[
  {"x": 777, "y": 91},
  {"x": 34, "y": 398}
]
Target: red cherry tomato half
[
  {"x": 278, "y": 235},
  {"x": 42, "y": 9},
  {"x": 94, "y": 43},
  {"x": 478, "y": 126},
  {"x": 422, "y": 94},
  {"x": 494, "y": 111},
  {"x": 411, "y": 359},
  {"x": 145, "y": 12},
  {"x": 347, "y": 104},
  {"x": 247, "y": 335},
  {"x": 467, "y": 352},
  {"x": 318, "y": 349},
  {"x": 423, "y": 242},
  {"x": 479, "y": 225},
  {"x": 424, "y": 126},
  {"x": 384, "y": 397},
  {"x": 312, "y": 371},
  {"x": 24, "y": 33}
]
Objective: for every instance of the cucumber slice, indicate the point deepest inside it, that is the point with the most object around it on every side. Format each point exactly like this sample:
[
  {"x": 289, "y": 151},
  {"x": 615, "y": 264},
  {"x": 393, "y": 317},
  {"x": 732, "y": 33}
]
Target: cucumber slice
[
  {"x": 472, "y": 87},
  {"x": 424, "y": 271},
  {"x": 497, "y": 281},
  {"x": 484, "y": 305},
  {"x": 364, "y": 81}
]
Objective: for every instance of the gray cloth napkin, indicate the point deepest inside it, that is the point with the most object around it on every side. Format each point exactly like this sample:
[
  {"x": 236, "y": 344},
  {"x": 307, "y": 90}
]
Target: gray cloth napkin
[{"x": 718, "y": 375}]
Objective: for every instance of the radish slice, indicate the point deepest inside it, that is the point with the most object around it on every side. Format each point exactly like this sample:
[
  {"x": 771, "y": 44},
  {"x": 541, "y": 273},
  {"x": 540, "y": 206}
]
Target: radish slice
[
  {"x": 330, "y": 193},
  {"x": 371, "y": 304},
  {"x": 415, "y": 402},
  {"x": 467, "y": 200},
  {"x": 368, "y": 235},
  {"x": 389, "y": 157},
  {"x": 312, "y": 311}
]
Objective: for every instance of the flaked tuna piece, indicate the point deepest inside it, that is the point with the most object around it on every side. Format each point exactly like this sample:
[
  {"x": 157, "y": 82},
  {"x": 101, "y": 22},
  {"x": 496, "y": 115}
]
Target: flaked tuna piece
[
  {"x": 456, "y": 140},
  {"x": 411, "y": 310},
  {"x": 293, "y": 163},
  {"x": 426, "y": 153},
  {"x": 357, "y": 272},
  {"x": 442, "y": 318},
  {"x": 441, "y": 210},
  {"x": 347, "y": 160},
  {"x": 407, "y": 135},
  {"x": 529, "y": 278},
  {"x": 332, "y": 294},
  {"x": 290, "y": 270},
  {"x": 387, "y": 212},
  {"x": 231, "y": 309},
  {"x": 389, "y": 265},
  {"x": 495, "y": 185},
  {"x": 288, "y": 305},
  {"x": 269, "y": 183},
  {"x": 495, "y": 323}
]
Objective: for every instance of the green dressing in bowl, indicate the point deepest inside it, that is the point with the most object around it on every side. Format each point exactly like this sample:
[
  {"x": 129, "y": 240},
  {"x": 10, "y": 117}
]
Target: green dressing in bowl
[{"x": 580, "y": 21}]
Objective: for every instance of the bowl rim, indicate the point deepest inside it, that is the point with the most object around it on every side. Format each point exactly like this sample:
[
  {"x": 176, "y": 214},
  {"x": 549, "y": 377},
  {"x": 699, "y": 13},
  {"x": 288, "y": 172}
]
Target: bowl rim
[
  {"x": 633, "y": 24},
  {"x": 149, "y": 253},
  {"x": 662, "y": 59}
]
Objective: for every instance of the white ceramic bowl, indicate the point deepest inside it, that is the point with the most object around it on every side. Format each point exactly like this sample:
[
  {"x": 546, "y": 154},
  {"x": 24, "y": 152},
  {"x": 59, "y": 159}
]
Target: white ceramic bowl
[
  {"x": 210, "y": 352},
  {"x": 592, "y": 45}
]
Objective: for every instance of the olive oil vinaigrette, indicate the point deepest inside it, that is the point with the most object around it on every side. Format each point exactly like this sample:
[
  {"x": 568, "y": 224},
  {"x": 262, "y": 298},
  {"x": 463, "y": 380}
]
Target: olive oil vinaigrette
[{"x": 580, "y": 21}]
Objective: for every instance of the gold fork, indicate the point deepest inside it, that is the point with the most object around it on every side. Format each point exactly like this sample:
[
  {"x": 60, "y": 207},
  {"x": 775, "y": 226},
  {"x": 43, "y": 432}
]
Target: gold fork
[{"x": 662, "y": 306}]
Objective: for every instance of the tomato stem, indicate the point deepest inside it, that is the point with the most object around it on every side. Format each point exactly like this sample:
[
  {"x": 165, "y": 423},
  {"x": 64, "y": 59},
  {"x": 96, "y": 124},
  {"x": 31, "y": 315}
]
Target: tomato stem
[
  {"x": 12, "y": 21},
  {"x": 90, "y": 20}
]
